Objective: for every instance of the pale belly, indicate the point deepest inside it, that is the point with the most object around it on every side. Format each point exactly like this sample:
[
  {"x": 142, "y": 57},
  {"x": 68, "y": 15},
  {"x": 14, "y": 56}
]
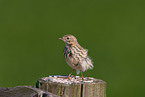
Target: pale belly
[{"x": 73, "y": 63}]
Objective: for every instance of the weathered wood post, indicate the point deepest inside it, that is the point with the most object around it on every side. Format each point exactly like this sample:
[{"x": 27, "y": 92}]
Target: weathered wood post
[{"x": 74, "y": 87}]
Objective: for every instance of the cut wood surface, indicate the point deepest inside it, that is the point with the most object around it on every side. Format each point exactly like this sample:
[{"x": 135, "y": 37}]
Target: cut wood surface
[{"x": 74, "y": 87}]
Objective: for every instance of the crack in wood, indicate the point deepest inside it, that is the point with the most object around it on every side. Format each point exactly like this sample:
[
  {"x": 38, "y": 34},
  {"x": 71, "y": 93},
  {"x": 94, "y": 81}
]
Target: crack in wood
[{"x": 81, "y": 90}]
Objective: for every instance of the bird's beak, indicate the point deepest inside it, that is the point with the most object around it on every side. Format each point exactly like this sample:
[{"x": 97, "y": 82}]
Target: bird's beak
[{"x": 60, "y": 38}]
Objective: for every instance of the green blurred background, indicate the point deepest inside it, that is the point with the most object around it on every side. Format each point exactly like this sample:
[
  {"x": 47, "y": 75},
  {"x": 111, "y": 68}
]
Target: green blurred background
[{"x": 112, "y": 30}]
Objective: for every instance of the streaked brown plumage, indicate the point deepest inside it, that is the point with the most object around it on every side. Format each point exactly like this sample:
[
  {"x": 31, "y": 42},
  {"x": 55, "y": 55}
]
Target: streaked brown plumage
[{"x": 75, "y": 55}]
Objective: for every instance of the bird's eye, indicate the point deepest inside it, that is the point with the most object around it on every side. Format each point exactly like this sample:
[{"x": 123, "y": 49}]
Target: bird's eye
[{"x": 68, "y": 38}]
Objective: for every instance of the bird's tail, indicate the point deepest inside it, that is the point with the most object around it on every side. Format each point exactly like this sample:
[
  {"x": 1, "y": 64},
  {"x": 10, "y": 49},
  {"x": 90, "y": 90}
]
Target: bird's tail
[
  {"x": 78, "y": 71},
  {"x": 86, "y": 64}
]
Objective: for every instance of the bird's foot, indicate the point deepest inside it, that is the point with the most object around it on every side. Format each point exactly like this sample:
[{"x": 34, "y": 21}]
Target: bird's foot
[
  {"x": 82, "y": 79},
  {"x": 68, "y": 77}
]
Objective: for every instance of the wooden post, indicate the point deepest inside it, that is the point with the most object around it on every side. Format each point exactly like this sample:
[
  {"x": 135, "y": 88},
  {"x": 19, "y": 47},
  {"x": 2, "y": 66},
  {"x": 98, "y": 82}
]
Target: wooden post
[{"x": 74, "y": 87}]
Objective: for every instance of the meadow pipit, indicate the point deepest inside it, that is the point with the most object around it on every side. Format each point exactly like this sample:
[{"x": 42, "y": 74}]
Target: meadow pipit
[{"x": 75, "y": 55}]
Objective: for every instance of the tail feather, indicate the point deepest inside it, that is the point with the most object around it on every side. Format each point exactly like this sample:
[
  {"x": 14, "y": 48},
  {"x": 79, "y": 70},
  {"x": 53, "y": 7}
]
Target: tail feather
[
  {"x": 86, "y": 64},
  {"x": 78, "y": 71}
]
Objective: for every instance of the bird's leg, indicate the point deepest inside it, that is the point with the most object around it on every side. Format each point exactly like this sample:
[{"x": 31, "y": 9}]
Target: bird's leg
[
  {"x": 82, "y": 75},
  {"x": 68, "y": 77}
]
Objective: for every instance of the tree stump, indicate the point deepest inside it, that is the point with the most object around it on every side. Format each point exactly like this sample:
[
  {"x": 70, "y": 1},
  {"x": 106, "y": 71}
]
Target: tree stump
[{"x": 74, "y": 87}]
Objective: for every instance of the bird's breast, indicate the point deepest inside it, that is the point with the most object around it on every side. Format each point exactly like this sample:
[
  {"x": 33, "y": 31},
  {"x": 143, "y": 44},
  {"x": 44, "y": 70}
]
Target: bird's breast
[{"x": 73, "y": 55}]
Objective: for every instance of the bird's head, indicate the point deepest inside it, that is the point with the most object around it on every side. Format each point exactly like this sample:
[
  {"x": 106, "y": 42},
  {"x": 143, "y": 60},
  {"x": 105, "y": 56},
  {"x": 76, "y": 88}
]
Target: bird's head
[{"x": 69, "y": 40}]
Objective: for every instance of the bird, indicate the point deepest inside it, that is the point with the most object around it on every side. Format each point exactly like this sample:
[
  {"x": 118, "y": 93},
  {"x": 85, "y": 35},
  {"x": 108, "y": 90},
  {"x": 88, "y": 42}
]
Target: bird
[{"x": 75, "y": 55}]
